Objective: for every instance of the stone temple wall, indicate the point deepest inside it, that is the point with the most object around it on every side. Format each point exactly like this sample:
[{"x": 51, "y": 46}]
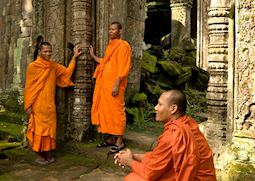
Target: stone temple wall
[
  {"x": 61, "y": 22},
  {"x": 15, "y": 33},
  {"x": 244, "y": 90}
]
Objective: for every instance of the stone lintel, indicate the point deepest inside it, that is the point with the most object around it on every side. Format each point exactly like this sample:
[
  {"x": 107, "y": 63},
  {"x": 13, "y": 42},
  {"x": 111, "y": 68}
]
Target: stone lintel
[{"x": 181, "y": 3}]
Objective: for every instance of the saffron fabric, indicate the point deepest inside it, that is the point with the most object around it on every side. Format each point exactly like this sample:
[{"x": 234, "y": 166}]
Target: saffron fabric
[
  {"x": 108, "y": 112},
  {"x": 181, "y": 154},
  {"x": 41, "y": 80}
]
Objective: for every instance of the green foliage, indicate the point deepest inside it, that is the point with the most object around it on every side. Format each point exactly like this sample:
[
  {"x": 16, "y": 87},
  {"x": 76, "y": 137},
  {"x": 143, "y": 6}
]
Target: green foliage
[
  {"x": 174, "y": 54},
  {"x": 141, "y": 99},
  {"x": 138, "y": 111},
  {"x": 171, "y": 67},
  {"x": 196, "y": 104},
  {"x": 149, "y": 62},
  {"x": 163, "y": 70},
  {"x": 11, "y": 124},
  {"x": 10, "y": 100}
]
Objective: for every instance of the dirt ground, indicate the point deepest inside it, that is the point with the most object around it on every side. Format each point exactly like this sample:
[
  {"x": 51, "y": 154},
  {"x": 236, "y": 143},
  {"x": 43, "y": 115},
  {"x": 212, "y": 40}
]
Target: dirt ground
[{"x": 75, "y": 161}]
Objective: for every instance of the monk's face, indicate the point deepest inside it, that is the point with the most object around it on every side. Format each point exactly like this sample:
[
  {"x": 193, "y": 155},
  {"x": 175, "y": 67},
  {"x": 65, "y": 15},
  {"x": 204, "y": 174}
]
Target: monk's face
[
  {"x": 114, "y": 31},
  {"x": 164, "y": 110},
  {"x": 46, "y": 52}
]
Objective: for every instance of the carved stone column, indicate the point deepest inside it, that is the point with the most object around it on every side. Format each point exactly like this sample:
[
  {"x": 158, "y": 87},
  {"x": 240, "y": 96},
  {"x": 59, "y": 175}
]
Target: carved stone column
[
  {"x": 202, "y": 33},
  {"x": 217, "y": 126},
  {"x": 82, "y": 32},
  {"x": 180, "y": 22}
]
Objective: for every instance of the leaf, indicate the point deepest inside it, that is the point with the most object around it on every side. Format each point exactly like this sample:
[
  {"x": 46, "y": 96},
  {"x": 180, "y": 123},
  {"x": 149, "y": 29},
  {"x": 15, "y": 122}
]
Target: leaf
[
  {"x": 149, "y": 62},
  {"x": 171, "y": 67}
]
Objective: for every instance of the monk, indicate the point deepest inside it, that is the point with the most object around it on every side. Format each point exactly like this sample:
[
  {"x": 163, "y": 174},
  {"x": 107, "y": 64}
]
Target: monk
[
  {"x": 182, "y": 152},
  {"x": 41, "y": 79},
  {"x": 108, "y": 108}
]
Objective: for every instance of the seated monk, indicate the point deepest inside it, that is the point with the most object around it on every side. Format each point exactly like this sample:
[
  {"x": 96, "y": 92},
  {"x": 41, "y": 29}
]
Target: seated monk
[{"x": 182, "y": 152}]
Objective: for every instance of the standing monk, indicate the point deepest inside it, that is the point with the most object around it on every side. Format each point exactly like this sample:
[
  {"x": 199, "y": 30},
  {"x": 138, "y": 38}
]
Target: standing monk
[
  {"x": 182, "y": 152},
  {"x": 108, "y": 109},
  {"x": 42, "y": 77}
]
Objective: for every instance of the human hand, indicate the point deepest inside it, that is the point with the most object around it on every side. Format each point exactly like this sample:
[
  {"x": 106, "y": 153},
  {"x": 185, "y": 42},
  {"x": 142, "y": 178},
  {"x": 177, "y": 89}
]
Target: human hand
[
  {"x": 91, "y": 51},
  {"x": 77, "y": 51},
  {"x": 123, "y": 158},
  {"x": 115, "y": 90},
  {"x": 29, "y": 111}
]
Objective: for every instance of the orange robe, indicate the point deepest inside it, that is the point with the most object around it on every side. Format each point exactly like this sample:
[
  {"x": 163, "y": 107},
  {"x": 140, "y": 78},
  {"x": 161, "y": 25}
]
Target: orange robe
[
  {"x": 41, "y": 80},
  {"x": 182, "y": 154},
  {"x": 108, "y": 112}
]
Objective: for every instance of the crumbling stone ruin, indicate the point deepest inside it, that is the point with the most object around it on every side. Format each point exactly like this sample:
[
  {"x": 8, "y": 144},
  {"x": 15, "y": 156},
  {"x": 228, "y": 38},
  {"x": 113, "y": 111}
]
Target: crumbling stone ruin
[{"x": 225, "y": 48}]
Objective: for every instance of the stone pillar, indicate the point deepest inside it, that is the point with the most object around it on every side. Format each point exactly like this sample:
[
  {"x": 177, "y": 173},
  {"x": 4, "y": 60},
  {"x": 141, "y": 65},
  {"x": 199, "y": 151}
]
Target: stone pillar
[
  {"x": 26, "y": 38},
  {"x": 82, "y": 33},
  {"x": 108, "y": 11},
  {"x": 54, "y": 33},
  {"x": 136, "y": 15},
  {"x": 202, "y": 33},
  {"x": 180, "y": 22},
  {"x": 217, "y": 125},
  {"x": 244, "y": 99}
]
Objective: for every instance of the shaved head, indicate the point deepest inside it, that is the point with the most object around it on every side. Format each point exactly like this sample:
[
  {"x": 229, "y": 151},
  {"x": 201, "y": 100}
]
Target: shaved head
[{"x": 177, "y": 97}]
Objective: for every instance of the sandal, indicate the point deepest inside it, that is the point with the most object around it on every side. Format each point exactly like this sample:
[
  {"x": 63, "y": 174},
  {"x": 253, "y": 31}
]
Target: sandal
[
  {"x": 41, "y": 161},
  {"x": 116, "y": 148},
  {"x": 51, "y": 160},
  {"x": 105, "y": 144}
]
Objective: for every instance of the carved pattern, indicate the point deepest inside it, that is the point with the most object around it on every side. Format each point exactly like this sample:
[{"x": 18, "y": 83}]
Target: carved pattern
[
  {"x": 246, "y": 67},
  {"x": 217, "y": 67},
  {"x": 82, "y": 33},
  {"x": 178, "y": 3}
]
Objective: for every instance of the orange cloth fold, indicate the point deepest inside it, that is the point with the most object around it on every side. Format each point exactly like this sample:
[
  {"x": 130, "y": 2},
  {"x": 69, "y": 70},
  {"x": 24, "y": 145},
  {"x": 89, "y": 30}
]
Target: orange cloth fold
[
  {"x": 181, "y": 154},
  {"x": 108, "y": 112},
  {"x": 41, "y": 80}
]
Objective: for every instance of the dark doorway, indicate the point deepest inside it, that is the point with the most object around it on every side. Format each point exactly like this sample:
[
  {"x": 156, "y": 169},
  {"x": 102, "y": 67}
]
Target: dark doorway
[{"x": 158, "y": 22}]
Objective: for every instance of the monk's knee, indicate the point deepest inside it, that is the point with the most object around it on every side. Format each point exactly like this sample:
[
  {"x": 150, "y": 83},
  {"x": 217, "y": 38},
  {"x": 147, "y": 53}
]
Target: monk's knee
[{"x": 133, "y": 177}]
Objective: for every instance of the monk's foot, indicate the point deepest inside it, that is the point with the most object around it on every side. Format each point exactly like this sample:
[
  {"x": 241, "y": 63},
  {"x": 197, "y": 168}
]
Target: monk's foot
[
  {"x": 116, "y": 148},
  {"x": 41, "y": 161},
  {"x": 51, "y": 160},
  {"x": 105, "y": 144}
]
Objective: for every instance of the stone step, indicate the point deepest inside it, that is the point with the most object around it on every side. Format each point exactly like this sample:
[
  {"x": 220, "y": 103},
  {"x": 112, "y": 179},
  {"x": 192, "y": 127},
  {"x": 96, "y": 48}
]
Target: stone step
[{"x": 139, "y": 141}]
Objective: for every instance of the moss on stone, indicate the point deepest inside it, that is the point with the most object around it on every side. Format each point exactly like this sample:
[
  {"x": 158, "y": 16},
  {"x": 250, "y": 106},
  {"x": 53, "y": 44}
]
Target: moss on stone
[{"x": 239, "y": 172}]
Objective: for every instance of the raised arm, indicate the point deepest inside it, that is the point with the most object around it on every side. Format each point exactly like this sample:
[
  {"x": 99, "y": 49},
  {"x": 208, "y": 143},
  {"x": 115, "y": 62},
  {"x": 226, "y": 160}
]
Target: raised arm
[{"x": 92, "y": 54}]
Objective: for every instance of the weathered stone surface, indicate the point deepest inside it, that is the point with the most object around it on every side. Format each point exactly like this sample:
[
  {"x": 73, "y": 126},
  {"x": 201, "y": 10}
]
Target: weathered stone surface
[
  {"x": 136, "y": 15},
  {"x": 244, "y": 130},
  {"x": 180, "y": 21},
  {"x": 202, "y": 33},
  {"x": 217, "y": 127}
]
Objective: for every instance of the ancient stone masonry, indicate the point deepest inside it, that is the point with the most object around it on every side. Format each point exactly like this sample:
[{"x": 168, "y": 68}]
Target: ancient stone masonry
[
  {"x": 108, "y": 11},
  {"x": 202, "y": 33},
  {"x": 218, "y": 69},
  {"x": 244, "y": 97},
  {"x": 136, "y": 15},
  {"x": 82, "y": 33},
  {"x": 131, "y": 14},
  {"x": 15, "y": 33},
  {"x": 180, "y": 13}
]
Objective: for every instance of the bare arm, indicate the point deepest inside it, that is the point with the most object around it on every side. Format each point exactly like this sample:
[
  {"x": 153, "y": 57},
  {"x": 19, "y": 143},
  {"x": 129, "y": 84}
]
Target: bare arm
[
  {"x": 77, "y": 52},
  {"x": 116, "y": 86},
  {"x": 92, "y": 54},
  {"x": 138, "y": 157}
]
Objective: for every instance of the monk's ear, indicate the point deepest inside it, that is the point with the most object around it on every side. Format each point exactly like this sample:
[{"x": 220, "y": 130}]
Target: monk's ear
[{"x": 174, "y": 108}]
